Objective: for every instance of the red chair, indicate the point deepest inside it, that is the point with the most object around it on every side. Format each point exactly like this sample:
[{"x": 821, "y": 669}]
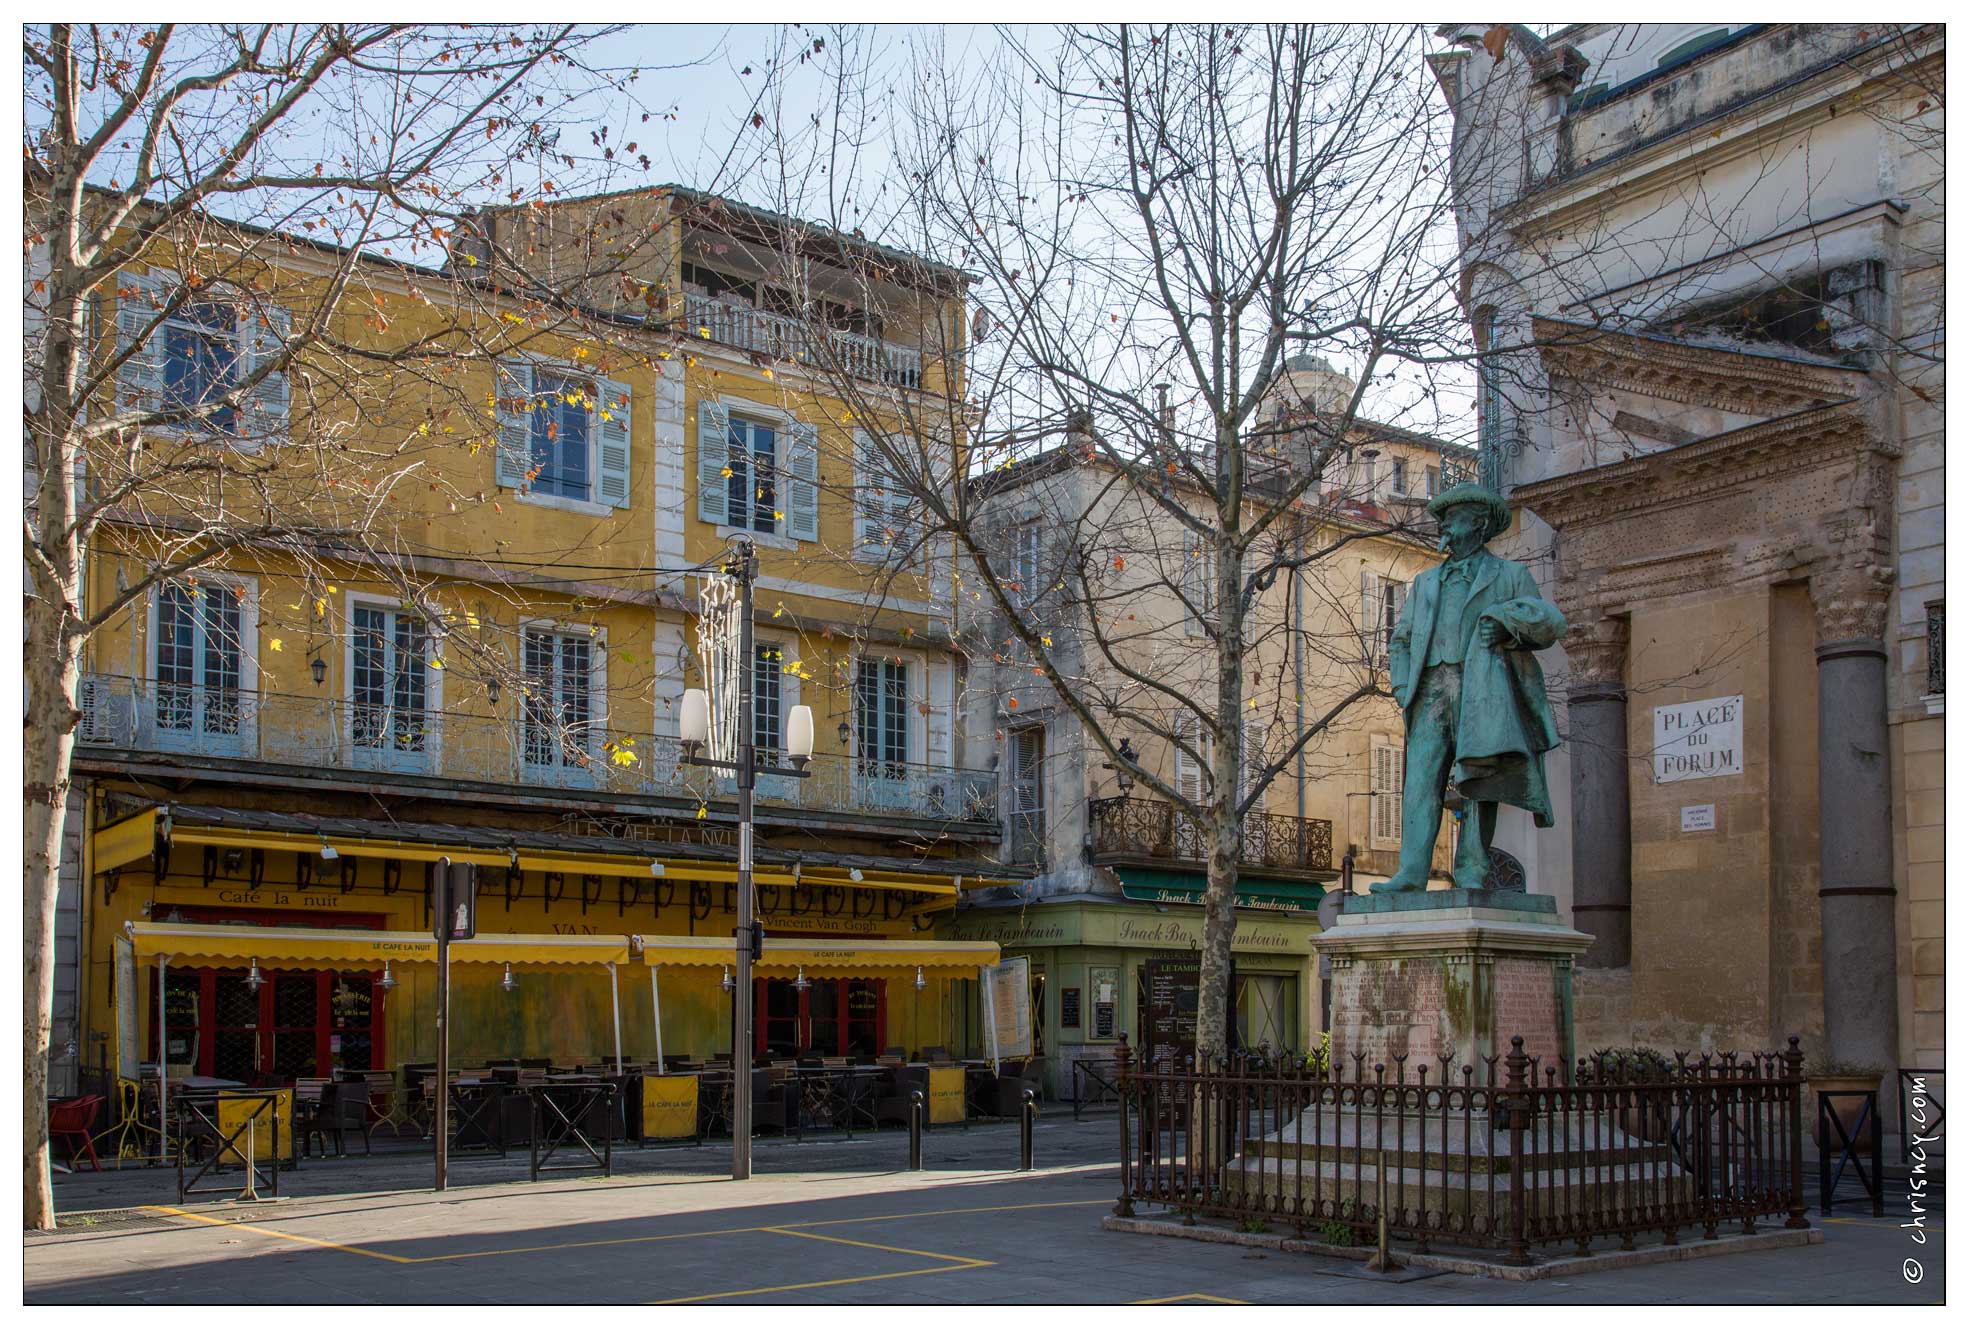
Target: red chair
[{"x": 70, "y": 1121}]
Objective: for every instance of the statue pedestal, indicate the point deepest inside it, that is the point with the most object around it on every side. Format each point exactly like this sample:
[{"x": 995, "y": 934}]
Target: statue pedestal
[{"x": 1426, "y": 974}]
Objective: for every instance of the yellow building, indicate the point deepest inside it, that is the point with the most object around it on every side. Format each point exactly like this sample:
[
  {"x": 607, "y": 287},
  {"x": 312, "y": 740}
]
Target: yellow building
[{"x": 487, "y": 665}]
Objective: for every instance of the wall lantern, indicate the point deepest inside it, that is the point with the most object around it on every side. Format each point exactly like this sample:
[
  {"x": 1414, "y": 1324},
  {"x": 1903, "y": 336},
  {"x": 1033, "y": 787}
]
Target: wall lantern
[
  {"x": 509, "y": 982},
  {"x": 319, "y": 668}
]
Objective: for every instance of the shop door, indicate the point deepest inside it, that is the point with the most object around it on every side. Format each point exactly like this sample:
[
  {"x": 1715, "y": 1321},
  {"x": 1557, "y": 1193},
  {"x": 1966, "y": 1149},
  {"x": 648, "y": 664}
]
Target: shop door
[
  {"x": 831, "y": 1018},
  {"x": 300, "y": 1023}
]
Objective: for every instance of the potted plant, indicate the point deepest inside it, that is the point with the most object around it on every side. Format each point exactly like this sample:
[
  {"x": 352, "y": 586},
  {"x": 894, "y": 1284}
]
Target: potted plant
[{"x": 1844, "y": 1079}]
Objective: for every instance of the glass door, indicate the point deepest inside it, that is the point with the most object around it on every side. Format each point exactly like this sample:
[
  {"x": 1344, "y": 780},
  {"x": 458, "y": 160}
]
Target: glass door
[
  {"x": 198, "y": 667},
  {"x": 389, "y": 723},
  {"x": 882, "y": 733}
]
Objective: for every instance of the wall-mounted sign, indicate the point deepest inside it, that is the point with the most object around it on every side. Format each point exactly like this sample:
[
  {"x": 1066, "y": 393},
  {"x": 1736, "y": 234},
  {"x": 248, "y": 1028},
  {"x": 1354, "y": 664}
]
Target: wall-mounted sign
[
  {"x": 1105, "y": 979},
  {"x": 1069, "y": 1008},
  {"x": 1173, "y": 988},
  {"x": 1701, "y": 817},
  {"x": 1699, "y": 740}
]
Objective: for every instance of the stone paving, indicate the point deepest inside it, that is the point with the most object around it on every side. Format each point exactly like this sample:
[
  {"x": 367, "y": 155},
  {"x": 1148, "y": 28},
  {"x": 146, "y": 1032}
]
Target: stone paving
[{"x": 820, "y": 1222}]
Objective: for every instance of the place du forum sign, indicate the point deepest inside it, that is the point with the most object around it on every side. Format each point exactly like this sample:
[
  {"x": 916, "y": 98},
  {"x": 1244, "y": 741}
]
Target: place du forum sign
[{"x": 1699, "y": 740}]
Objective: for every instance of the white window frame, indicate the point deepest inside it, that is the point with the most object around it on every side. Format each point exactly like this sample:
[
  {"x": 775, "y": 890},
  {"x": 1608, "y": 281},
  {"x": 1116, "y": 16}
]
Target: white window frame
[
  {"x": 598, "y": 710},
  {"x": 1198, "y": 579},
  {"x": 1398, "y": 476},
  {"x": 586, "y": 507},
  {"x": 1023, "y": 542},
  {"x": 782, "y": 423},
  {"x": 1183, "y": 769},
  {"x": 428, "y": 760},
  {"x": 893, "y": 507},
  {"x": 1382, "y": 601},
  {"x": 247, "y": 740},
  {"x": 1385, "y": 783}
]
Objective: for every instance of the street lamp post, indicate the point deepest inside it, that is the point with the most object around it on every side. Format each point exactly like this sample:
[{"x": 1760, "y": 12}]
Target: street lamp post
[{"x": 694, "y": 728}]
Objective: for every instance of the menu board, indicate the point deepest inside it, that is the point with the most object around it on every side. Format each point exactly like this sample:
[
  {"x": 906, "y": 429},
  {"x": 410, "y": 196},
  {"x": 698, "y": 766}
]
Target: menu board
[
  {"x": 1008, "y": 997},
  {"x": 1069, "y": 1008},
  {"x": 1106, "y": 982},
  {"x": 1171, "y": 984}
]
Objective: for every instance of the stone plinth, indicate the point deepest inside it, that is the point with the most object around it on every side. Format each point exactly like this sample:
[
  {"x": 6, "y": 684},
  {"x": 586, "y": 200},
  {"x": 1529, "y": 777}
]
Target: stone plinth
[{"x": 1427, "y": 974}]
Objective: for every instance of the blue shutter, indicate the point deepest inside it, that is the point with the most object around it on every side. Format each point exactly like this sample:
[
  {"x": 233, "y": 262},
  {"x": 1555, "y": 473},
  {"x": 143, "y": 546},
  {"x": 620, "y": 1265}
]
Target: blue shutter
[
  {"x": 513, "y": 441},
  {"x": 612, "y": 420},
  {"x": 871, "y": 500},
  {"x": 714, "y": 424},
  {"x": 140, "y": 379},
  {"x": 803, "y": 482},
  {"x": 262, "y": 335}
]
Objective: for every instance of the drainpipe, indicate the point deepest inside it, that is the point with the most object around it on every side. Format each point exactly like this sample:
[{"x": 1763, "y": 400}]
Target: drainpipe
[{"x": 1299, "y": 662}]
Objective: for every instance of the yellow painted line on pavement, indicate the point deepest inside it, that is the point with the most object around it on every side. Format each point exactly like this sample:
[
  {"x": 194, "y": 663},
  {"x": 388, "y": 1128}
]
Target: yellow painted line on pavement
[
  {"x": 784, "y": 1228},
  {"x": 875, "y": 1246},
  {"x": 952, "y": 1264},
  {"x": 1880, "y": 1222},
  {"x": 1190, "y": 1296},
  {"x": 269, "y": 1232}
]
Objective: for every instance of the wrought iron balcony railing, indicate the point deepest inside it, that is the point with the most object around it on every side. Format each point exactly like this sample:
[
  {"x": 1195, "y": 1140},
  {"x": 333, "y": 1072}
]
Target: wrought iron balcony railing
[
  {"x": 786, "y": 338},
  {"x": 143, "y": 715},
  {"x": 1146, "y": 828}
]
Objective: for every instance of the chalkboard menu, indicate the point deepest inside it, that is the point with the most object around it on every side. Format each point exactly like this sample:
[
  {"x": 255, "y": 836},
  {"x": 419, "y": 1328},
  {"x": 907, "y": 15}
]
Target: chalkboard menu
[
  {"x": 1106, "y": 981},
  {"x": 1171, "y": 984},
  {"x": 1069, "y": 1008}
]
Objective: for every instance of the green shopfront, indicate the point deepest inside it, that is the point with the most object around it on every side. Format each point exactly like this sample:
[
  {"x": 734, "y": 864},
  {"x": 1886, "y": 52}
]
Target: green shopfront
[{"x": 1102, "y": 966}]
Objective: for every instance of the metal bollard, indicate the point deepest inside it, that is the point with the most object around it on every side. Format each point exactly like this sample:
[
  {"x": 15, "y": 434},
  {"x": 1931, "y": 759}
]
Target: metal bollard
[
  {"x": 1027, "y": 1114},
  {"x": 916, "y": 1130}
]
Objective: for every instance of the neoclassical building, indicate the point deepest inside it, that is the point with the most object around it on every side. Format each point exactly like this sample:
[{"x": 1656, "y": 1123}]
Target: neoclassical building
[{"x": 1705, "y": 264}]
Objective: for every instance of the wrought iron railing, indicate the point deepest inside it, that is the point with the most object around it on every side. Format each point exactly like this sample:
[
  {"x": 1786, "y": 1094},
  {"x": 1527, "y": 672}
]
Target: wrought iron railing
[
  {"x": 142, "y": 715},
  {"x": 788, "y": 338},
  {"x": 1125, "y": 827},
  {"x": 1508, "y": 1154}
]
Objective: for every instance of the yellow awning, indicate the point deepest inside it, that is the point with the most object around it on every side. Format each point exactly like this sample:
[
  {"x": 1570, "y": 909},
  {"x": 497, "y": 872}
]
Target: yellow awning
[
  {"x": 131, "y": 839},
  {"x": 848, "y": 958},
  {"x": 219, "y": 943},
  {"x": 128, "y": 841}
]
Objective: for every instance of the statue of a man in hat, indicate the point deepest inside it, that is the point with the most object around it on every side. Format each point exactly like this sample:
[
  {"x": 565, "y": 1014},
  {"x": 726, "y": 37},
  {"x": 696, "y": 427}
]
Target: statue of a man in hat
[{"x": 1472, "y": 694}]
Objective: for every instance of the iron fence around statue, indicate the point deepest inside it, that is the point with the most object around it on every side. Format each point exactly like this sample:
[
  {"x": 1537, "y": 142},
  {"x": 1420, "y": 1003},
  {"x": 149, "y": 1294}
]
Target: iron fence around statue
[{"x": 1509, "y": 1154}]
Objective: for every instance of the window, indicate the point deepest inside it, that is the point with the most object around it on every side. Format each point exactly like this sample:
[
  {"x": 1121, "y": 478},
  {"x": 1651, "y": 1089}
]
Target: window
[
  {"x": 1433, "y": 481},
  {"x": 388, "y": 685},
  {"x": 1198, "y": 582},
  {"x": 767, "y": 734},
  {"x": 885, "y": 515},
  {"x": 559, "y": 710},
  {"x": 201, "y": 360},
  {"x": 1022, "y": 563},
  {"x": 1386, "y": 786},
  {"x": 1382, "y": 601},
  {"x": 1398, "y": 475},
  {"x": 1028, "y": 793},
  {"x": 1187, "y": 771},
  {"x": 199, "y": 662},
  {"x": 757, "y": 475},
  {"x": 882, "y": 717},
  {"x": 750, "y": 490},
  {"x": 560, "y": 435},
  {"x": 1935, "y": 636},
  {"x": 203, "y": 350}
]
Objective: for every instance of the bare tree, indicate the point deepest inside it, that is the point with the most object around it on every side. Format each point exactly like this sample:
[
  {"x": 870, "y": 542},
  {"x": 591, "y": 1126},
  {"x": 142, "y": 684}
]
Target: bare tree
[
  {"x": 243, "y": 339},
  {"x": 1141, "y": 215}
]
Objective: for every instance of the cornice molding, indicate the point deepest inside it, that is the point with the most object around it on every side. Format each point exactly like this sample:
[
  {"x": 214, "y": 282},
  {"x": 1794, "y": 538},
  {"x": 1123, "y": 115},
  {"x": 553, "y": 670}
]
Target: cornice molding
[
  {"x": 1837, "y": 434},
  {"x": 1693, "y": 374}
]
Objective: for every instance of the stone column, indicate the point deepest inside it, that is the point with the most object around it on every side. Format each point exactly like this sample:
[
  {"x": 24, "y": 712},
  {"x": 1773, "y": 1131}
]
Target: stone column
[
  {"x": 1856, "y": 834},
  {"x": 1602, "y": 829}
]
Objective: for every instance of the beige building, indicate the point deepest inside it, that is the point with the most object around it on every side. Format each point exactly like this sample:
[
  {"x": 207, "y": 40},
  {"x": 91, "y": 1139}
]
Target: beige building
[
  {"x": 1705, "y": 261},
  {"x": 1119, "y": 871}
]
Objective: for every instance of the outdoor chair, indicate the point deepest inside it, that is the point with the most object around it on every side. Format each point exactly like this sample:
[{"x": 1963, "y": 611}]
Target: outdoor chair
[{"x": 71, "y": 1120}]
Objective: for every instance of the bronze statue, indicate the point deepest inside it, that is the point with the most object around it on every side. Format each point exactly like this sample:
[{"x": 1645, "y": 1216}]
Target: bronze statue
[{"x": 1472, "y": 694}]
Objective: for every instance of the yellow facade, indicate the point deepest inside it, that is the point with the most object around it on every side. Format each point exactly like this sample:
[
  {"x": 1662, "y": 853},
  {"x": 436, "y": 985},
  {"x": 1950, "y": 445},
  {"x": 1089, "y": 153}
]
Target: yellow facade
[{"x": 412, "y": 450}]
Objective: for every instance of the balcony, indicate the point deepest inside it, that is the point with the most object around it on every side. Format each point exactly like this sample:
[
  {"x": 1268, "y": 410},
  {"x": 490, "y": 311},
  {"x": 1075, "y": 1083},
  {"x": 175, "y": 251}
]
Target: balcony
[
  {"x": 1145, "y": 830},
  {"x": 225, "y": 726},
  {"x": 784, "y": 338}
]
